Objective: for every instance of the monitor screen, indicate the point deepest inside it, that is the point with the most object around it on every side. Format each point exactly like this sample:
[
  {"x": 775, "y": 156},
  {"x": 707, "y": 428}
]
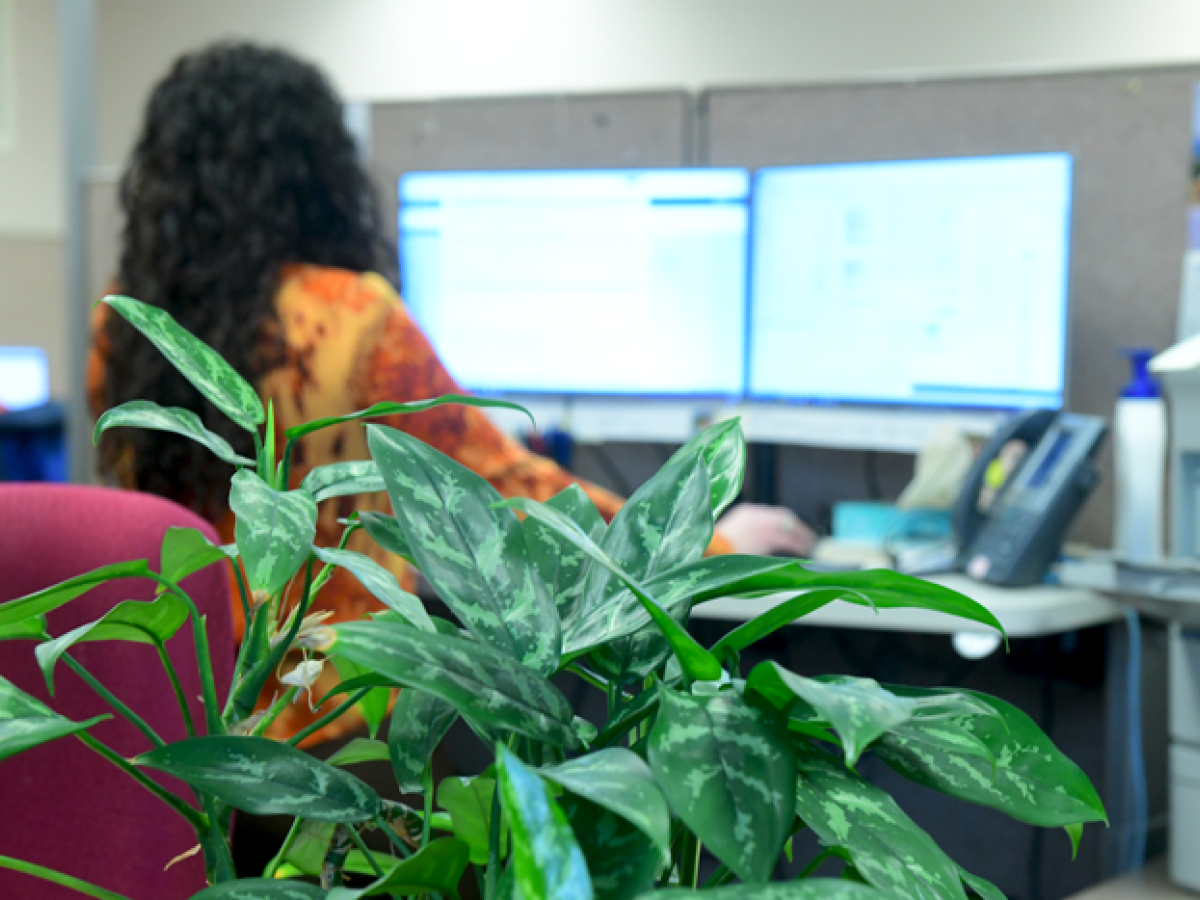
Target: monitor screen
[
  {"x": 24, "y": 377},
  {"x": 609, "y": 282},
  {"x": 938, "y": 282}
]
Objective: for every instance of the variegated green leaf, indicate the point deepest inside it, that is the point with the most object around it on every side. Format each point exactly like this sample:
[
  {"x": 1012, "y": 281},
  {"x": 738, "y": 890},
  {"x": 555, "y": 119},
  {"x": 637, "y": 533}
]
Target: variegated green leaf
[
  {"x": 385, "y": 531},
  {"x": 546, "y": 859},
  {"x": 667, "y": 523},
  {"x": 131, "y": 620},
  {"x": 26, "y": 722},
  {"x": 151, "y": 416},
  {"x": 265, "y": 778},
  {"x": 561, "y": 565},
  {"x": 785, "y": 613},
  {"x": 380, "y": 582},
  {"x": 419, "y": 722},
  {"x": 723, "y": 449},
  {"x": 374, "y": 704},
  {"x": 618, "y": 780},
  {"x": 196, "y": 361},
  {"x": 858, "y": 708},
  {"x": 937, "y": 726},
  {"x": 261, "y": 889},
  {"x": 187, "y": 550},
  {"x": 436, "y": 868},
  {"x": 622, "y": 860},
  {"x": 474, "y": 555},
  {"x": 811, "y": 889},
  {"x": 307, "y": 852},
  {"x": 343, "y": 479},
  {"x": 479, "y": 682},
  {"x": 980, "y": 886},
  {"x": 699, "y": 663},
  {"x": 360, "y": 750},
  {"x": 61, "y": 594},
  {"x": 33, "y": 628},
  {"x": 729, "y": 774},
  {"x": 1031, "y": 780},
  {"x": 469, "y": 803},
  {"x": 887, "y": 848},
  {"x": 389, "y": 408},
  {"x": 274, "y": 530}
]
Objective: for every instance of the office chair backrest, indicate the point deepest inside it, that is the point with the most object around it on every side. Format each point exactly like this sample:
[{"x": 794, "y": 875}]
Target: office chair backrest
[{"x": 62, "y": 805}]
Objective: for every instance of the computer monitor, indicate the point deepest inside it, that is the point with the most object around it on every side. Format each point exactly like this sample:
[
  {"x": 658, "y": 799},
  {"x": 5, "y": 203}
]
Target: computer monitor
[
  {"x": 937, "y": 282},
  {"x": 581, "y": 282},
  {"x": 24, "y": 377}
]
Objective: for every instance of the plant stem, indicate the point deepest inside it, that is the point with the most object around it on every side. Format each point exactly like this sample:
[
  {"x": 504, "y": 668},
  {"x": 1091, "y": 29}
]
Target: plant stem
[
  {"x": 358, "y": 841},
  {"x": 260, "y": 727},
  {"x": 83, "y": 887},
  {"x": 218, "y": 861},
  {"x": 493, "y": 869},
  {"x": 180, "y": 697},
  {"x": 689, "y": 861},
  {"x": 427, "y": 787},
  {"x": 722, "y": 876},
  {"x": 401, "y": 847},
  {"x": 194, "y": 817},
  {"x": 285, "y": 464},
  {"x": 594, "y": 680},
  {"x": 281, "y": 856},
  {"x": 327, "y": 572},
  {"x": 212, "y": 710},
  {"x": 300, "y": 735},
  {"x": 243, "y": 593},
  {"x": 137, "y": 721},
  {"x": 825, "y": 854}
]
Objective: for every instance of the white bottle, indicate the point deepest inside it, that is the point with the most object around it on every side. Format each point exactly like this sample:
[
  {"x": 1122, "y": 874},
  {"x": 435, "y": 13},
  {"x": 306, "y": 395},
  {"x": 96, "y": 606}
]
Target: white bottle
[{"x": 1140, "y": 449}]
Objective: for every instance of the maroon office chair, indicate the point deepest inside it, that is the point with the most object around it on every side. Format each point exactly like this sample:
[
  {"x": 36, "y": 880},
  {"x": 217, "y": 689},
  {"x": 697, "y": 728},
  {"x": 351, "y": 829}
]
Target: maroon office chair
[{"x": 62, "y": 805}]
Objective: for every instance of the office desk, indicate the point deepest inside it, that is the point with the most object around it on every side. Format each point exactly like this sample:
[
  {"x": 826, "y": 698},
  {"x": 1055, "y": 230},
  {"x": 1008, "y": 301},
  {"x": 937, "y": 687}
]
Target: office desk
[{"x": 1024, "y": 612}]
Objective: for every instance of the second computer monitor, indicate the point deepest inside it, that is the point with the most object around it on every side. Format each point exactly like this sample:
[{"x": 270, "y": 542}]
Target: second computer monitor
[
  {"x": 931, "y": 282},
  {"x": 614, "y": 282}
]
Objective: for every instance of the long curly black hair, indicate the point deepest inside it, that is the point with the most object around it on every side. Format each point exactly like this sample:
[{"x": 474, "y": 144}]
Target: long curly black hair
[{"x": 243, "y": 165}]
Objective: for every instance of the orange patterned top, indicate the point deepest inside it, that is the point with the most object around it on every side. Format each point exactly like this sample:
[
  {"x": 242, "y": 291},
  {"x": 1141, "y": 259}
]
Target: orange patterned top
[{"x": 349, "y": 343}]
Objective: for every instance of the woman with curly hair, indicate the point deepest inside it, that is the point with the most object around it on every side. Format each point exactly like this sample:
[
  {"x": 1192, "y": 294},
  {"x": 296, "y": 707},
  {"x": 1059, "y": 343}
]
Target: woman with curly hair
[{"x": 249, "y": 217}]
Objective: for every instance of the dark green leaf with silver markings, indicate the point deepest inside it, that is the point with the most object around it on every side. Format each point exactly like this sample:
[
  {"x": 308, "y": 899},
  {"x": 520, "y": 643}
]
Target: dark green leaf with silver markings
[
  {"x": 667, "y": 523},
  {"x": 858, "y": 709},
  {"x": 481, "y": 683},
  {"x": 343, "y": 479},
  {"x": 474, "y": 555},
  {"x": 699, "y": 663},
  {"x": 887, "y": 848},
  {"x": 723, "y": 449},
  {"x": 980, "y": 886},
  {"x": 274, "y": 530},
  {"x": 197, "y": 362},
  {"x": 261, "y": 889},
  {"x": 729, "y": 774},
  {"x": 151, "y": 416},
  {"x": 547, "y": 861},
  {"x": 374, "y": 704},
  {"x": 380, "y": 582},
  {"x": 61, "y": 594},
  {"x": 560, "y": 564},
  {"x": 622, "y": 861},
  {"x": 27, "y": 722},
  {"x": 385, "y": 531},
  {"x": 131, "y": 620},
  {"x": 419, "y": 722},
  {"x": 1032, "y": 780},
  {"x": 810, "y": 889},
  {"x": 265, "y": 778},
  {"x": 618, "y": 780}
]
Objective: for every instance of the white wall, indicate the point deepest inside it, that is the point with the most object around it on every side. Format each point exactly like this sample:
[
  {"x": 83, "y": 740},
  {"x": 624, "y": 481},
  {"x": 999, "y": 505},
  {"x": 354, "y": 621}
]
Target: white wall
[
  {"x": 31, "y": 189},
  {"x": 377, "y": 49}
]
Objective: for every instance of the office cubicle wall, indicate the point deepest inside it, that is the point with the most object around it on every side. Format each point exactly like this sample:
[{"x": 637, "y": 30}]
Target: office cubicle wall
[
  {"x": 548, "y": 132},
  {"x": 1130, "y": 134}
]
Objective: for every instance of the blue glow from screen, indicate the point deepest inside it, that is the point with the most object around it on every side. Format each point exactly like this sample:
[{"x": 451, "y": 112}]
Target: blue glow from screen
[
  {"x": 929, "y": 282},
  {"x": 611, "y": 282},
  {"x": 24, "y": 377}
]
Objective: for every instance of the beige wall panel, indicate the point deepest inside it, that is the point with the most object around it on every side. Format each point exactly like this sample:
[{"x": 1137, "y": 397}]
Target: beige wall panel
[{"x": 33, "y": 306}]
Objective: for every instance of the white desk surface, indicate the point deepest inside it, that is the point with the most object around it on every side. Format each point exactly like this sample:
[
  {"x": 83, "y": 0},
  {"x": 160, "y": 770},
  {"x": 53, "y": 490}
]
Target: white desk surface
[{"x": 1024, "y": 612}]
